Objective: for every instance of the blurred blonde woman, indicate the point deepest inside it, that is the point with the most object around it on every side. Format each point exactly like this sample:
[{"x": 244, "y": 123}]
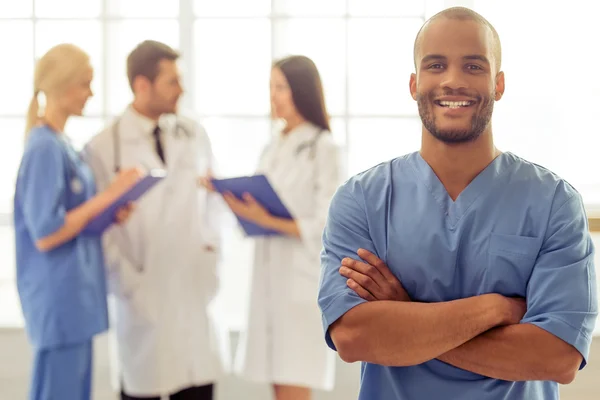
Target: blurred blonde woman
[{"x": 60, "y": 271}]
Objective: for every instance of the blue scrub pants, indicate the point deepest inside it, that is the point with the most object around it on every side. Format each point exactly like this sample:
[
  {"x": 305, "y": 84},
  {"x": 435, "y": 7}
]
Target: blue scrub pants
[{"x": 62, "y": 373}]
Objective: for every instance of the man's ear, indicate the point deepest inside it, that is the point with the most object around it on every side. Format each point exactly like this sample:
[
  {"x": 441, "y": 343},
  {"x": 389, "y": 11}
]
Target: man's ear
[
  {"x": 140, "y": 84},
  {"x": 499, "y": 85},
  {"x": 413, "y": 86}
]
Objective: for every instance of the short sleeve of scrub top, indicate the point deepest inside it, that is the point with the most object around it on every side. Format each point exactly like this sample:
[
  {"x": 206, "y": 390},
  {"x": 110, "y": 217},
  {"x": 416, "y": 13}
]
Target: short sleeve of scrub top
[
  {"x": 43, "y": 192},
  {"x": 346, "y": 231},
  {"x": 561, "y": 293}
]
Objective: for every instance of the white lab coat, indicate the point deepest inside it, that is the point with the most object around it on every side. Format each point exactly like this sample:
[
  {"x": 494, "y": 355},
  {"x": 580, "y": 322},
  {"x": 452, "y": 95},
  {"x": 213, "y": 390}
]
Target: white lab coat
[
  {"x": 161, "y": 276},
  {"x": 283, "y": 341}
]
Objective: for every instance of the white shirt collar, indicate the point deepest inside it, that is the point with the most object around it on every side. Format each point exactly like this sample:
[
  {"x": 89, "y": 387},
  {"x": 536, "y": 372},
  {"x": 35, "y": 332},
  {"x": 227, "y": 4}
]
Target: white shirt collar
[{"x": 146, "y": 124}]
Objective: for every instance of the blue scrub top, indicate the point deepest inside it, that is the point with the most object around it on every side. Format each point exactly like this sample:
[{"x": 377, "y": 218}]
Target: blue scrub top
[
  {"x": 516, "y": 230},
  {"x": 62, "y": 291}
]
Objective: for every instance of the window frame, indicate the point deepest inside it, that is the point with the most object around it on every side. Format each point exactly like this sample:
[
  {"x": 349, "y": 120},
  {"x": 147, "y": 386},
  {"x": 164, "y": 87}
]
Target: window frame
[{"x": 186, "y": 20}]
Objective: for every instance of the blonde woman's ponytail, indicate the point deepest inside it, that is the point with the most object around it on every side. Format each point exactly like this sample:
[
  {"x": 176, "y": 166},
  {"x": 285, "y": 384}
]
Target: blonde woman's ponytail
[{"x": 32, "y": 113}]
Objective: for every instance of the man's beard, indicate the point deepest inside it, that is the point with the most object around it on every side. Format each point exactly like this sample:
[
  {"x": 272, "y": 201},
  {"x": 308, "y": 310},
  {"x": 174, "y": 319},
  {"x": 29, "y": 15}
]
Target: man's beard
[
  {"x": 479, "y": 121},
  {"x": 161, "y": 105}
]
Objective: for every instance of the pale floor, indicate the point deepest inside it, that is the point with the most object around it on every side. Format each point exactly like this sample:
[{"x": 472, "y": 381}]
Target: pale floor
[{"x": 15, "y": 364}]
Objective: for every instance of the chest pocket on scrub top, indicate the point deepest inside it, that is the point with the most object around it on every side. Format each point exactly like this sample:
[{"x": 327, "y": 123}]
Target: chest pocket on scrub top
[{"x": 510, "y": 261}]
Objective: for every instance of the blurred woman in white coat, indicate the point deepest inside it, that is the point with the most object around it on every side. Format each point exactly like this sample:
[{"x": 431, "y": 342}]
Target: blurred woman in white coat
[{"x": 283, "y": 340}]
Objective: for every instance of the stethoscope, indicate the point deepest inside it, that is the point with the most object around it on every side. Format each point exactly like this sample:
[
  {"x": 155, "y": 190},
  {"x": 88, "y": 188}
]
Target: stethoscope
[
  {"x": 117, "y": 141},
  {"x": 311, "y": 145},
  {"x": 75, "y": 184},
  {"x": 73, "y": 156}
]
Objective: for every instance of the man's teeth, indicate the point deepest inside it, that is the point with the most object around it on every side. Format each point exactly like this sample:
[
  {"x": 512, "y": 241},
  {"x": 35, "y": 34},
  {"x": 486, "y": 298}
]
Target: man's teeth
[{"x": 455, "y": 104}]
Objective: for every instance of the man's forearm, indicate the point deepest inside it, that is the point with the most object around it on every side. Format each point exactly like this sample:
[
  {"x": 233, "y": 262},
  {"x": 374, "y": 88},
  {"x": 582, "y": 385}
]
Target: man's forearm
[
  {"x": 395, "y": 333},
  {"x": 517, "y": 353}
]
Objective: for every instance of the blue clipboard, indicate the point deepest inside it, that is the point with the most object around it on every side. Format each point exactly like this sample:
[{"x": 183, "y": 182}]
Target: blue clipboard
[
  {"x": 260, "y": 188},
  {"x": 107, "y": 217}
]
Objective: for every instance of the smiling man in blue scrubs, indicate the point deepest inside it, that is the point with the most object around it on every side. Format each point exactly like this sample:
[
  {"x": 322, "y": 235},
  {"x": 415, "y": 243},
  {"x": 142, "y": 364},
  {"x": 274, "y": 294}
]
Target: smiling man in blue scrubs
[{"x": 491, "y": 290}]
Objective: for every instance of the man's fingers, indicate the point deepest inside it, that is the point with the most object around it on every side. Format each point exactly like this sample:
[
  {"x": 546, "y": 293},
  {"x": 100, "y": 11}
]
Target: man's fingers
[
  {"x": 363, "y": 280},
  {"x": 206, "y": 183},
  {"x": 375, "y": 261},
  {"x": 122, "y": 214},
  {"x": 365, "y": 269},
  {"x": 359, "y": 290}
]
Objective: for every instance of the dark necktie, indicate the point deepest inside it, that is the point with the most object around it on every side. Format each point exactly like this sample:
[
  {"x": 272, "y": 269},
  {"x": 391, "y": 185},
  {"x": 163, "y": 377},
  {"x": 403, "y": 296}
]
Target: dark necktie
[{"x": 158, "y": 144}]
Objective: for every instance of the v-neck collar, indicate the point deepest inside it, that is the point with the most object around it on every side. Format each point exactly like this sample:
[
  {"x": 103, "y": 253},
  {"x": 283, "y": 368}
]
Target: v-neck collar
[{"x": 481, "y": 184}]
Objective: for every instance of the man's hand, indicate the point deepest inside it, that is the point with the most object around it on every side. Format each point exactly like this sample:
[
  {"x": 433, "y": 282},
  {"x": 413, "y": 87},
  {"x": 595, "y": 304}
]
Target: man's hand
[
  {"x": 206, "y": 181},
  {"x": 124, "y": 213},
  {"x": 372, "y": 279},
  {"x": 124, "y": 181}
]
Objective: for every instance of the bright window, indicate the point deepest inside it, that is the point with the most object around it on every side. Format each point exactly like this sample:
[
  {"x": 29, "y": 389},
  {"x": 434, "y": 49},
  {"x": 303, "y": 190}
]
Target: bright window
[
  {"x": 548, "y": 114},
  {"x": 231, "y": 66},
  {"x": 364, "y": 52},
  {"x": 16, "y": 76}
]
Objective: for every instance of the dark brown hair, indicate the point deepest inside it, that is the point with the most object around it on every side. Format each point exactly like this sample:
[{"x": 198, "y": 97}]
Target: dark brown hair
[
  {"x": 145, "y": 58},
  {"x": 307, "y": 89}
]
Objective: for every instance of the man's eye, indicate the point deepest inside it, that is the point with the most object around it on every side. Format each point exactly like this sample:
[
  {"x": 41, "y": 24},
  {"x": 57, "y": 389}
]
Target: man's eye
[
  {"x": 474, "y": 67},
  {"x": 436, "y": 66}
]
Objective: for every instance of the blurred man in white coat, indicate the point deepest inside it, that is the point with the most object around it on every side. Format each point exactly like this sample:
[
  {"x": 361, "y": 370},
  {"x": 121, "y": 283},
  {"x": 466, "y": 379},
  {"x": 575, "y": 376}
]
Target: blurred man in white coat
[{"x": 162, "y": 263}]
